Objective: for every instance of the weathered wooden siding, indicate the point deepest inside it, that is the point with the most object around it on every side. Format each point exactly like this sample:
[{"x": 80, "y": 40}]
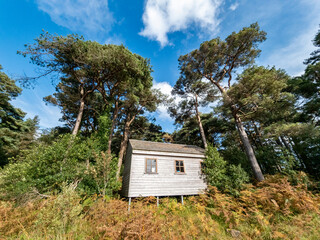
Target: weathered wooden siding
[
  {"x": 166, "y": 182},
  {"x": 126, "y": 172}
]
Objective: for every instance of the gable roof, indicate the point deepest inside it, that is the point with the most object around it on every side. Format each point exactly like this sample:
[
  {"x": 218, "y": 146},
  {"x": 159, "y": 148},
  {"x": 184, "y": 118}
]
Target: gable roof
[{"x": 165, "y": 147}]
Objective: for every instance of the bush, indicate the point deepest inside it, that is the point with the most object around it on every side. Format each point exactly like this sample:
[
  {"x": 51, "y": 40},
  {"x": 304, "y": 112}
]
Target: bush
[
  {"x": 46, "y": 168},
  {"x": 226, "y": 177}
]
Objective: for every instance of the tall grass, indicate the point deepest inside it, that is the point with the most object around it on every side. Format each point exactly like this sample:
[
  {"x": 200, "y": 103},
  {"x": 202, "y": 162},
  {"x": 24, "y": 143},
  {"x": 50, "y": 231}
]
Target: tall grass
[{"x": 273, "y": 209}]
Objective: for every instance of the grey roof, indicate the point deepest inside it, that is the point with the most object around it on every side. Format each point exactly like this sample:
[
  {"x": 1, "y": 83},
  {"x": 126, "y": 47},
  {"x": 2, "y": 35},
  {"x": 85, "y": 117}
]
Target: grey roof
[{"x": 165, "y": 147}]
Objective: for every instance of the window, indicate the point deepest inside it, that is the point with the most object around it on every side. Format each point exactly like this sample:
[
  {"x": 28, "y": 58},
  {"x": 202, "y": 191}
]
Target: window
[
  {"x": 179, "y": 166},
  {"x": 151, "y": 165}
]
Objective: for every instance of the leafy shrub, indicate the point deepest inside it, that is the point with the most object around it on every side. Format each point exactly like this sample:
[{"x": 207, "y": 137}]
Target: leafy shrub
[
  {"x": 104, "y": 168},
  {"x": 226, "y": 177},
  {"x": 46, "y": 168}
]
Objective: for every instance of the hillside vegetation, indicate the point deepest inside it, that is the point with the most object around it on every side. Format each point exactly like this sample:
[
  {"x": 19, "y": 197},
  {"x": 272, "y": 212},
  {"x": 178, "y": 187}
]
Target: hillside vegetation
[{"x": 274, "y": 209}]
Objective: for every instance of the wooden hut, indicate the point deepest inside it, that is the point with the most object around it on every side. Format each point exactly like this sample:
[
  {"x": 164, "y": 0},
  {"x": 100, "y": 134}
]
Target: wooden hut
[{"x": 162, "y": 169}]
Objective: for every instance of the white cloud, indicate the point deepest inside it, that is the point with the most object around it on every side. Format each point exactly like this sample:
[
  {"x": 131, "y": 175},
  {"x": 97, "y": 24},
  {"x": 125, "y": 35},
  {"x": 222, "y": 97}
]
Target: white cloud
[
  {"x": 87, "y": 16},
  {"x": 164, "y": 87},
  {"x": 161, "y": 17},
  {"x": 234, "y": 6}
]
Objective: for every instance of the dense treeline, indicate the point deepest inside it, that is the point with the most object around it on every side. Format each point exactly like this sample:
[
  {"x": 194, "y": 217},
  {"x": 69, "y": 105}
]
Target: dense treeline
[
  {"x": 16, "y": 134},
  {"x": 261, "y": 121}
]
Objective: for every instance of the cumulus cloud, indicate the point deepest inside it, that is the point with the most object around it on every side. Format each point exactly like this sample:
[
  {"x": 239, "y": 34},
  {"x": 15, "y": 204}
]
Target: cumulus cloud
[
  {"x": 79, "y": 15},
  {"x": 161, "y": 17},
  {"x": 234, "y": 6}
]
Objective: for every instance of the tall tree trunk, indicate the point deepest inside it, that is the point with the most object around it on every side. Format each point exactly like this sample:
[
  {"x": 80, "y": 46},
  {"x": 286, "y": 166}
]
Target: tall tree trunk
[
  {"x": 80, "y": 113},
  {"x": 114, "y": 119},
  {"x": 204, "y": 140},
  {"x": 248, "y": 149},
  {"x": 243, "y": 135},
  {"x": 124, "y": 144}
]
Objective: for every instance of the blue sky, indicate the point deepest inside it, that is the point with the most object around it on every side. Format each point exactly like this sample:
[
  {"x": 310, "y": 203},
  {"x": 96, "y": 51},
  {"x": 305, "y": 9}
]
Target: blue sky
[{"x": 161, "y": 30}]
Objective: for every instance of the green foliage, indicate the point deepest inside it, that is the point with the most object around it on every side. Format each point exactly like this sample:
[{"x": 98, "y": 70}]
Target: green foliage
[
  {"x": 315, "y": 55},
  {"x": 102, "y": 135},
  {"x": 213, "y": 127},
  {"x": 303, "y": 141},
  {"x": 306, "y": 88},
  {"x": 304, "y": 133},
  {"x": 233, "y": 154},
  {"x": 92, "y": 74},
  {"x": 144, "y": 129},
  {"x": 193, "y": 94},
  {"x": 15, "y": 133},
  {"x": 46, "y": 168},
  {"x": 11, "y": 118},
  {"x": 103, "y": 169},
  {"x": 48, "y": 136},
  {"x": 226, "y": 177},
  {"x": 274, "y": 159},
  {"x": 217, "y": 58},
  {"x": 259, "y": 95},
  {"x": 216, "y": 61}
]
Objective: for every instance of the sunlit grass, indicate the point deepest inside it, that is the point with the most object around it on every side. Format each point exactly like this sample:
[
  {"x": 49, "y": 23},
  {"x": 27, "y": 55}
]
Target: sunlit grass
[{"x": 271, "y": 210}]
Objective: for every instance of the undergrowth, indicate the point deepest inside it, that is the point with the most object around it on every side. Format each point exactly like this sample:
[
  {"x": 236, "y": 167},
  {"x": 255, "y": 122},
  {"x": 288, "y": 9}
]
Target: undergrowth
[{"x": 273, "y": 209}]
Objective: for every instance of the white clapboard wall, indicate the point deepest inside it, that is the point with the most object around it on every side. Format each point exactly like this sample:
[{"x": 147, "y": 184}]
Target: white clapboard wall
[{"x": 166, "y": 182}]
